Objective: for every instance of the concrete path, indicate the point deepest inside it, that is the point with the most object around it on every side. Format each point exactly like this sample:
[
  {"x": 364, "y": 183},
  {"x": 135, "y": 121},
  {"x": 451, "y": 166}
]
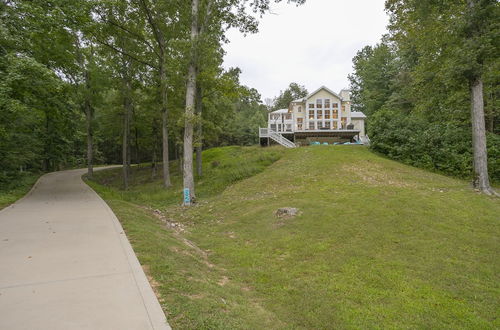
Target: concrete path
[{"x": 65, "y": 263}]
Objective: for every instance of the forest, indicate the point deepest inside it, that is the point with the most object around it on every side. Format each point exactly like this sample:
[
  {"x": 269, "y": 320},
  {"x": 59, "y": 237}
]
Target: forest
[
  {"x": 415, "y": 85},
  {"x": 139, "y": 81},
  {"x": 105, "y": 82}
]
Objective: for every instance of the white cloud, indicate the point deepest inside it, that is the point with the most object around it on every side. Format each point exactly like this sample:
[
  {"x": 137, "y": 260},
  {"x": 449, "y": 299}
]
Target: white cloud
[{"x": 312, "y": 44}]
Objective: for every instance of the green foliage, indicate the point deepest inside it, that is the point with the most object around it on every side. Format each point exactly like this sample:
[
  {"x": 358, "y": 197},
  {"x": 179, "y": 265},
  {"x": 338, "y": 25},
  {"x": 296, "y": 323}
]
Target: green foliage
[
  {"x": 222, "y": 167},
  {"x": 293, "y": 92},
  {"x": 414, "y": 84}
]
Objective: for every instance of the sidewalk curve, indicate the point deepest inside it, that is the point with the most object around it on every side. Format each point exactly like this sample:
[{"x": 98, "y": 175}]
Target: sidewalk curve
[{"x": 65, "y": 263}]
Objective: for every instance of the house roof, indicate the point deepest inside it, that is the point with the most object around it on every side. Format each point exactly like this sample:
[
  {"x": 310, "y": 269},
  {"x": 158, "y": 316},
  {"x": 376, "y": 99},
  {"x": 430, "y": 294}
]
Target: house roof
[
  {"x": 280, "y": 111},
  {"x": 325, "y": 88},
  {"x": 322, "y": 87},
  {"x": 357, "y": 114}
]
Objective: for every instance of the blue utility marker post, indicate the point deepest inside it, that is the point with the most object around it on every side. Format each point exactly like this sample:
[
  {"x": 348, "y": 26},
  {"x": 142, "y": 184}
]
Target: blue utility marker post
[{"x": 187, "y": 197}]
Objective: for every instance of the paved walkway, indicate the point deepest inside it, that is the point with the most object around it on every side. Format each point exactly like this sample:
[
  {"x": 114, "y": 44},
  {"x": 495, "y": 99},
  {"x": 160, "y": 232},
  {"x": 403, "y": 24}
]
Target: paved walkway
[{"x": 65, "y": 263}]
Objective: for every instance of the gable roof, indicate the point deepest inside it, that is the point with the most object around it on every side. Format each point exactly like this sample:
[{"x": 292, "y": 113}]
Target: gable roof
[
  {"x": 357, "y": 114},
  {"x": 316, "y": 91},
  {"x": 326, "y": 89}
]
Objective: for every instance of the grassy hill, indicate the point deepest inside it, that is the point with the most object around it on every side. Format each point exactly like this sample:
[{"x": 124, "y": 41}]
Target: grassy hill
[{"x": 377, "y": 244}]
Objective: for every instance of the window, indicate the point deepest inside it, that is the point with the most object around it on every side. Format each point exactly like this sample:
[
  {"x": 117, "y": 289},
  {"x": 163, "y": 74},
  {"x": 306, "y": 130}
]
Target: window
[
  {"x": 327, "y": 114},
  {"x": 327, "y": 125},
  {"x": 311, "y": 114},
  {"x": 320, "y": 114},
  {"x": 279, "y": 127},
  {"x": 335, "y": 114},
  {"x": 288, "y": 116},
  {"x": 334, "y": 125},
  {"x": 311, "y": 105},
  {"x": 300, "y": 109},
  {"x": 300, "y": 120},
  {"x": 288, "y": 127},
  {"x": 327, "y": 103},
  {"x": 319, "y": 103},
  {"x": 343, "y": 120},
  {"x": 335, "y": 105},
  {"x": 273, "y": 127},
  {"x": 311, "y": 125},
  {"x": 299, "y": 127},
  {"x": 343, "y": 107}
]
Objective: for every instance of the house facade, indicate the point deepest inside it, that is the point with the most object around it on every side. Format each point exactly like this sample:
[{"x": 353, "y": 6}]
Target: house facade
[{"x": 323, "y": 116}]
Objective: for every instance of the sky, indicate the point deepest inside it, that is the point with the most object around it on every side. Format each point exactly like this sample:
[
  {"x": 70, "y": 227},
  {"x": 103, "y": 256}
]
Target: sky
[{"x": 312, "y": 44}]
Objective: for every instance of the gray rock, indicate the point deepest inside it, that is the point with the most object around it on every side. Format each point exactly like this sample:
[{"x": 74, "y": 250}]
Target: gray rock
[{"x": 286, "y": 212}]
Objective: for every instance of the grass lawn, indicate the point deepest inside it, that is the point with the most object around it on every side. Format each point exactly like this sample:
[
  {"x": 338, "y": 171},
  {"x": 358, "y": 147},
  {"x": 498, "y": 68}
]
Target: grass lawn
[
  {"x": 17, "y": 189},
  {"x": 377, "y": 244}
]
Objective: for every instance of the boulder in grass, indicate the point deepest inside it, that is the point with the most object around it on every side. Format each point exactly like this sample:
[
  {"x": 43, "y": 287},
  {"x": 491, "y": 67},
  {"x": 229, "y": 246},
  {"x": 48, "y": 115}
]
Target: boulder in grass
[{"x": 286, "y": 212}]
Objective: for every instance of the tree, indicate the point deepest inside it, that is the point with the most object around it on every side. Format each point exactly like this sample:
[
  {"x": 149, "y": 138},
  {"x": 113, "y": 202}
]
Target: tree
[
  {"x": 211, "y": 18},
  {"x": 293, "y": 92}
]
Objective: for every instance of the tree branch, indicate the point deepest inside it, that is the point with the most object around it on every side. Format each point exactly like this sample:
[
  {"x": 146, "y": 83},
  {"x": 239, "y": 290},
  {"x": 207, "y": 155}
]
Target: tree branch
[{"x": 104, "y": 43}]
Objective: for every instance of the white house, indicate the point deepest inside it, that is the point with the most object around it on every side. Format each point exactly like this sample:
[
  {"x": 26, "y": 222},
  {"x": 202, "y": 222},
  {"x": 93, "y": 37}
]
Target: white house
[{"x": 322, "y": 116}]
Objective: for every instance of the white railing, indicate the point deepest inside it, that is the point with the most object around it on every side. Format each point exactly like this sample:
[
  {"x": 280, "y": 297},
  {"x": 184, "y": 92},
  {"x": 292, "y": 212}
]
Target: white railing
[
  {"x": 277, "y": 137},
  {"x": 281, "y": 139}
]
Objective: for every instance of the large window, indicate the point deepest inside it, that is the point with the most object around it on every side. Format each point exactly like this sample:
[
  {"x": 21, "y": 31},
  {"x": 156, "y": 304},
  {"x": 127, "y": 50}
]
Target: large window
[
  {"x": 335, "y": 114},
  {"x": 320, "y": 114},
  {"x": 327, "y": 114},
  {"x": 311, "y": 125},
  {"x": 327, "y": 103},
  {"x": 319, "y": 103},
  {"x": 311, "y": 114}
]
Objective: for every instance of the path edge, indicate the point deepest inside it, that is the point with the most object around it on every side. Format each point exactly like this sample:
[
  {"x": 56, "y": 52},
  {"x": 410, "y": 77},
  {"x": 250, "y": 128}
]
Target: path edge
[{"x": 152, "y": 305}]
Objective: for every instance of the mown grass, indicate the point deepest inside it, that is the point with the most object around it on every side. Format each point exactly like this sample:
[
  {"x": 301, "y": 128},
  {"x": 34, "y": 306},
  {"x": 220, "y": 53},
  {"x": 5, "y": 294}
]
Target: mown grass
[
  {"x": 17, "y": 189},
  {"x": 377, "y": 244}
]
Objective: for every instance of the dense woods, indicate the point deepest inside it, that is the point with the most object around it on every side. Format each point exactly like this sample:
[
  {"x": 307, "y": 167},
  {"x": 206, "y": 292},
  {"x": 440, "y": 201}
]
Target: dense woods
[
  {"x": 417, "y": 86},
  {"x": 99, "y": 82}
]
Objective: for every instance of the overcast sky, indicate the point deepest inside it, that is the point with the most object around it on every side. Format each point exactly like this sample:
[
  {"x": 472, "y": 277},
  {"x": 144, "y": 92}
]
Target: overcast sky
[{"x": 312, "y": 44}]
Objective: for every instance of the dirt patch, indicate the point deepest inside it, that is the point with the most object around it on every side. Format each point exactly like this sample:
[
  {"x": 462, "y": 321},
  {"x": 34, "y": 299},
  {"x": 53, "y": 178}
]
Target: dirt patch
[
  {"x": 376, "y": 175},
  {"x": 223, "y": 281}
]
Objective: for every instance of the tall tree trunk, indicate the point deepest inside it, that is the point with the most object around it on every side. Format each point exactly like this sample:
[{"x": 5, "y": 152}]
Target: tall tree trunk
[
  {"x": 127, "y": 109},
  {"x": 199, "y": 132},
  {"x": 153, "y": 158},
  {"x": 164, "y": 124},
  {"x": 481, "y": 180},
  {"x": 188, "y": 178},
  {"x": 89, "y": 118}
]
